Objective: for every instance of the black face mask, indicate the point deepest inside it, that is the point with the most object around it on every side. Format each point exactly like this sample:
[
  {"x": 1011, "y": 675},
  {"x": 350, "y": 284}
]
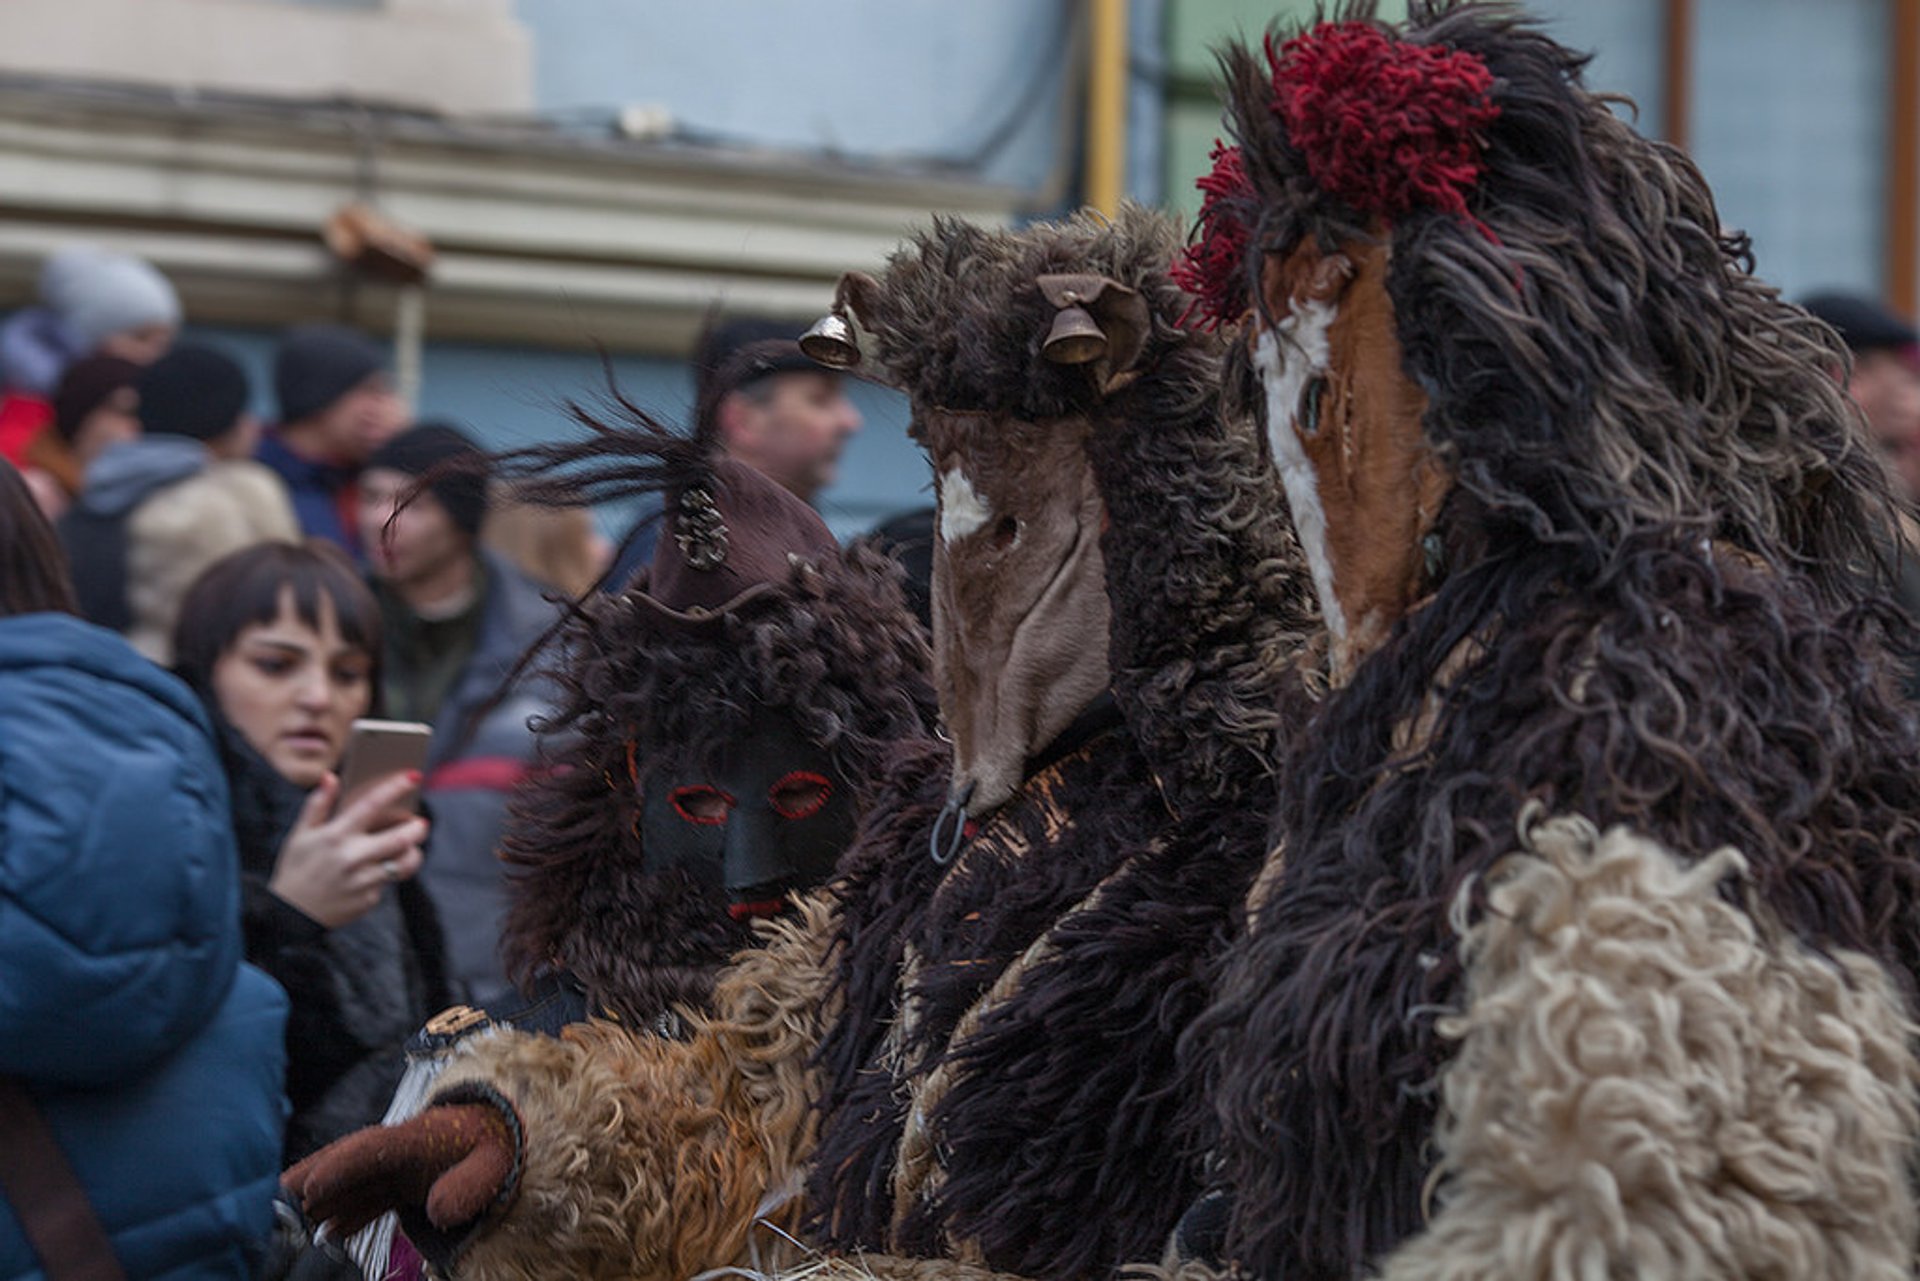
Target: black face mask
[{"x": 769, "y": 816}]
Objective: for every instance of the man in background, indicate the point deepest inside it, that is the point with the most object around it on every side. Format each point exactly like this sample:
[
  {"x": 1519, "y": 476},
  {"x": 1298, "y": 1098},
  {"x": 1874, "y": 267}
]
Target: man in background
[
  {"x": 759, "y": 397},
  {"x": 456, "y": 620},
  {"x": 1886, "y": 375},
  {"x": 337, "y": 405},
  {"x": 1885, "y": 383}
]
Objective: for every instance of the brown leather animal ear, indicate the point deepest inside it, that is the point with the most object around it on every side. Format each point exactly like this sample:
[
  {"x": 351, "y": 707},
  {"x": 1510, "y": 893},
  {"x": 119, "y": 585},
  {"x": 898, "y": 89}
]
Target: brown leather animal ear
[
  {"x": 1100, "y": 322},
  {"x": 856, "y": 292}
]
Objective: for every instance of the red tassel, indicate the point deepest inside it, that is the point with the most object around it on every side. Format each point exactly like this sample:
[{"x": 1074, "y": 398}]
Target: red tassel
[
  {"x": 1385, "y": 125},
  {"x": 1210, "y": 268}
]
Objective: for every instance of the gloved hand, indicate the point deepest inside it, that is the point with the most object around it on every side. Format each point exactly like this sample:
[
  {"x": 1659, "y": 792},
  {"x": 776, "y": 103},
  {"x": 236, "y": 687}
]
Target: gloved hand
[{"x": 458, "y": 1159}]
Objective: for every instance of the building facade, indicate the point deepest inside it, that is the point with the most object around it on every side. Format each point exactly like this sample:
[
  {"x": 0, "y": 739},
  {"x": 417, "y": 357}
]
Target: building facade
[{"x": 598, "y": 175}]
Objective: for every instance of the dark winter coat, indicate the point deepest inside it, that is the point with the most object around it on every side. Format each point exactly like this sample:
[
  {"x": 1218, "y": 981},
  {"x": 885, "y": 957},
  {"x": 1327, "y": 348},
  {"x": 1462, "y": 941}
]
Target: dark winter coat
[
  {"x": 480, "y": 754},
  {"x": 325, "y": 496},
  {"x": 155, "y": 1054},
  {"x": 358, "y": 992}
]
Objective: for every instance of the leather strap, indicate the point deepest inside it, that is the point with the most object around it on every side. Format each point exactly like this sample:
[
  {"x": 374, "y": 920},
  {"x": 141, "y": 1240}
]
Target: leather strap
[{"x": 39, "y": 1183}]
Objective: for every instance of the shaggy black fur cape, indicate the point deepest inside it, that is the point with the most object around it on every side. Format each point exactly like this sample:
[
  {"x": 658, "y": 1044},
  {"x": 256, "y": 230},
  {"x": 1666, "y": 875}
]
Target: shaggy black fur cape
[
  {"x": 1661, "y": 605},
  {"x": 834, "y": 646},
  {"x": 1055, "y": 1115}
]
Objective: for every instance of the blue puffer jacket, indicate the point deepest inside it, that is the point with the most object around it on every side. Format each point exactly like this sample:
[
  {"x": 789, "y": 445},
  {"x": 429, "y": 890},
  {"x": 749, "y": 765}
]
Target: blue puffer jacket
[{"x": 155, "y": 1054}]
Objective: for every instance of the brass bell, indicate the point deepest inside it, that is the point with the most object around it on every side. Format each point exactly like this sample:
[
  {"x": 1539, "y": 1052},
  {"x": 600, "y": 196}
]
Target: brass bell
[
  {"x": 1074, "y": 338},
  {"x": 831, "y": 343}
]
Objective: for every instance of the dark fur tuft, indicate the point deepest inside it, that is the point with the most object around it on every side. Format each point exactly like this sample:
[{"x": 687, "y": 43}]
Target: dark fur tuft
[{"x": 959, "y": 318}]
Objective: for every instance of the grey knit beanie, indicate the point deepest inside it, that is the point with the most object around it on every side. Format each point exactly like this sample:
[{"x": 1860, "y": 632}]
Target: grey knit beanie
[{"x": 99, "y": 294}]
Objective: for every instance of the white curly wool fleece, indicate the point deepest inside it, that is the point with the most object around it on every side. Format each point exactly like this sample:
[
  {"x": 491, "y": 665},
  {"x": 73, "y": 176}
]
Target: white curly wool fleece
[{"x": 1653, "y": 1081}]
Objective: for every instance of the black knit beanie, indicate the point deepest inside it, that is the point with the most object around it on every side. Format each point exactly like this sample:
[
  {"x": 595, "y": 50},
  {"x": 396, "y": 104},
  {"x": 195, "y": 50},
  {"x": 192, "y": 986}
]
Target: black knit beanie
[
  {"x": 193, "y": 391},
  {"x": 456, "y": 468},
  {"x": 318, "y": 364},
  {"x": 86, "y": 386}
]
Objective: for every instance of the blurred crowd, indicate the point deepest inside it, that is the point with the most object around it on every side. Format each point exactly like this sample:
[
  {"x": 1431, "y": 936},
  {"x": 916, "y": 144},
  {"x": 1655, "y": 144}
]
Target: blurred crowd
[{"x": 342, "y": 561}]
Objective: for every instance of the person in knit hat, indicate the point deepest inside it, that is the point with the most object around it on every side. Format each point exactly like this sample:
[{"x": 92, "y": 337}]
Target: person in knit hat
[
  {"x": 156, "y": 510},
  {"x": 1885, "y": 378},
  {"x": 92, "y": 302},
  {"x": 456, "y": 620},
  {"x": 114, "y": 304},
  {"x": 762, "y": 400},
  {"x": 337, "y": 405},
  {"x": 97, "y": 405},
  {"x": 94, "y": 406}
]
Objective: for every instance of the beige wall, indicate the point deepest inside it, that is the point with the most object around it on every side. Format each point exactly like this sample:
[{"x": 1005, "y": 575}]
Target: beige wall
[{"x": 459, "y": 56}]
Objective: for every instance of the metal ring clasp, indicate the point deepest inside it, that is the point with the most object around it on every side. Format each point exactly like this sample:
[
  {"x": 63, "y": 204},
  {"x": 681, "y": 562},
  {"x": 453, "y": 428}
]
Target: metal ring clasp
[{"x": 954, "y": 812}]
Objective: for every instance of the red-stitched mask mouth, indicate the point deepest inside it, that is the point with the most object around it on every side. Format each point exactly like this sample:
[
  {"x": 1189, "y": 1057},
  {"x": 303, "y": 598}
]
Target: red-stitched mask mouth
[{"x": 759, "y": 909}]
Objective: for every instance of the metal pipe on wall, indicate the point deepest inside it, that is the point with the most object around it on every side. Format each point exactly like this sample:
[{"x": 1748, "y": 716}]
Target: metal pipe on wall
[{"x": 1107, "y": 105}]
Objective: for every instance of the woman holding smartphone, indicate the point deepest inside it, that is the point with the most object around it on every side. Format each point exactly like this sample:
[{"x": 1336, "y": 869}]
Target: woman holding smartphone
[{"x": 282, "y": 642}]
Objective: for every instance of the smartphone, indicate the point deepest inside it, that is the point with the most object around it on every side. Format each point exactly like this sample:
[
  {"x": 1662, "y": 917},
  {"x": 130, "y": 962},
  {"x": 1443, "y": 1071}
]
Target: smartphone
[{"x": 380, "y": 749}]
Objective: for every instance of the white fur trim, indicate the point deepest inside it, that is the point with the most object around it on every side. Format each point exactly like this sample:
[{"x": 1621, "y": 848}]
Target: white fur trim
[
  {"x": 1288, "y": 356},
  {"x": 962, "y": 511}
]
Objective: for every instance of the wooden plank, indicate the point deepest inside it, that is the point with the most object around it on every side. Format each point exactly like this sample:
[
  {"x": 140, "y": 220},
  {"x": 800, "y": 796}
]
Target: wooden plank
[
  {"x": 1902, "y": 279},
  {"x": 1676, "y": 72}
]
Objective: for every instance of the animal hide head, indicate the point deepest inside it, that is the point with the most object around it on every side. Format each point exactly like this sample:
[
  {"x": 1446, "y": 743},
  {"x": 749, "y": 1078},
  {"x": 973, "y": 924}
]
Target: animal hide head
[
  {"x": 1551, "y": 295},
  {"x": 1008, "y": 344},
  {"x": 1020, "y": 609}
]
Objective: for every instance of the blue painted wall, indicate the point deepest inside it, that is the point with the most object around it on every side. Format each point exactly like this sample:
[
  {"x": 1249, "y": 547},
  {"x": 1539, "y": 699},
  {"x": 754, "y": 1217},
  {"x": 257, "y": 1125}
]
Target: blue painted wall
[{"x": 878, "y": 80}]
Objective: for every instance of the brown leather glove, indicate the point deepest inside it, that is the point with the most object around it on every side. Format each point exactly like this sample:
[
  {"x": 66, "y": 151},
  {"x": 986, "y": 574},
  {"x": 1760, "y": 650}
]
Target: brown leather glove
[{"x": 459, "y": 1159}]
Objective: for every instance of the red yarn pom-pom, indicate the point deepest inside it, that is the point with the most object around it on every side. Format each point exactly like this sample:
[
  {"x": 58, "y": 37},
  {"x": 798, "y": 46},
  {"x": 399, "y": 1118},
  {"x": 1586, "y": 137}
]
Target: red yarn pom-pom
[
  {"x": 1385, "y": 125},
  {"x": 1212, "y": 268}
]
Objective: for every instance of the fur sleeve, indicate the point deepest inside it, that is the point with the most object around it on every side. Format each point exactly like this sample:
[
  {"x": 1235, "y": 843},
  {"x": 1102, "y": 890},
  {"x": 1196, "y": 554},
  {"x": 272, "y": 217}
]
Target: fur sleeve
[
  {"x": 1655, "y": 1082},
  {"x": 654, "y": 1159}
]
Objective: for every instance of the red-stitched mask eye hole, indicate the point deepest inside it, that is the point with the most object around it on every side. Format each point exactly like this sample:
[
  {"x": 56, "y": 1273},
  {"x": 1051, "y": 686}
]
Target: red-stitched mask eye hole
[
  {"x": 801, "y": 794},
  {"x": 708, "y": 806}
]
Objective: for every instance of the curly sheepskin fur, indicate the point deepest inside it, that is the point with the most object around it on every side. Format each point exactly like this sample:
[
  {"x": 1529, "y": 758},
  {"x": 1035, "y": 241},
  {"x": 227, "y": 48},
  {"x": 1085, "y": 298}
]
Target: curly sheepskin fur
[
  {"x": 1654, "y": 602},
  {"x": 1653, "y": 1082},
  {"x": 1003, "y": 1087},
  {"x": 652, "y": 1160},
  {"x": 1204, "y": 574}
]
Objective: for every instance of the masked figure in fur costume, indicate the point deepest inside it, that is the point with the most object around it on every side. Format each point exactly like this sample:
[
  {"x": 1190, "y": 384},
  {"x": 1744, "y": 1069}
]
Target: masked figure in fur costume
[
  {"x": 1594, "y": 535},
  {"x": 965, "y": 1049},
  {"x": 726, "y": 720},
  {"x": 731, "y": 713}
]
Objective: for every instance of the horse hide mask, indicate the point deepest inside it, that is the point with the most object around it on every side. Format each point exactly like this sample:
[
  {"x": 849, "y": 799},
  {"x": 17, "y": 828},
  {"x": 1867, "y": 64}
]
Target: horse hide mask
[{"x": 1007, "y": 342}]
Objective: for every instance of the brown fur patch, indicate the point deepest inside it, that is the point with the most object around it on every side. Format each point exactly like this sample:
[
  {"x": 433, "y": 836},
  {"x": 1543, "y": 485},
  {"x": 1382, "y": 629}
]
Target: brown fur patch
[
  {"x": 652, "y": 1160},
  {"x": 1653, "y": 1082}
]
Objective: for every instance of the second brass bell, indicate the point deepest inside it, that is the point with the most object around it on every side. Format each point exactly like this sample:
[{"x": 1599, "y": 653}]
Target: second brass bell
[{"x": 1074, "y": 339}]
